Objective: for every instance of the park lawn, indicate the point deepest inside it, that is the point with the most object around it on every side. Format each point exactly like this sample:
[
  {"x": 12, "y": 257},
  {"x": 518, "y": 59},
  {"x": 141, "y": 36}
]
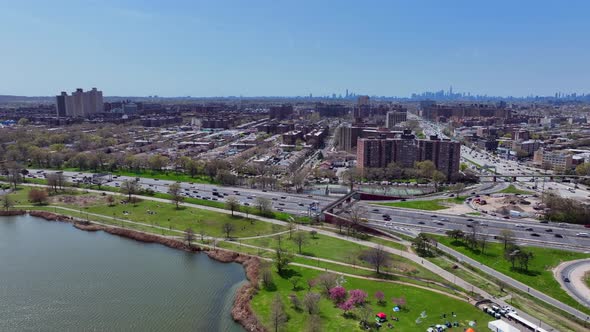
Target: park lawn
[
  {"x": 428, "y": 205},
  {"x": 587, "y": 279},
  {"x": 539, "y": 275},
  {"x": 310, "y": 261},
  {"x": 388, "y": 243},
  {"x": 513, "y": 190},
  {"x": 339, "y": 250},
  {"x": 332, "y": 319},
  {"x": 165, "y": 215}
]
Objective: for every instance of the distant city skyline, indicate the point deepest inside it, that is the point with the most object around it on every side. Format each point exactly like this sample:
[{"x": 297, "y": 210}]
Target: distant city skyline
[{"x": 269, "y": 48}]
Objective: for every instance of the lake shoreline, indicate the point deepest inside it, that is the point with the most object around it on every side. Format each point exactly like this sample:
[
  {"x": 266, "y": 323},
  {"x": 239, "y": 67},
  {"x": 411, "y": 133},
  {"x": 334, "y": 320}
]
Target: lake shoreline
[{"x": 241, "y": 309}]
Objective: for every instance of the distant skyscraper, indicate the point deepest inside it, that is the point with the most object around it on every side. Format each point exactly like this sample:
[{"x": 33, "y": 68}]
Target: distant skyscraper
[{"x": 80, "y": 104}]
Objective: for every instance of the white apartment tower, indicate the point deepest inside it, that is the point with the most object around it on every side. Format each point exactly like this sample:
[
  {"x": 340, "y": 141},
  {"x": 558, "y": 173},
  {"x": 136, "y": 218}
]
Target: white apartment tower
[{"x": 80, "y": 104}]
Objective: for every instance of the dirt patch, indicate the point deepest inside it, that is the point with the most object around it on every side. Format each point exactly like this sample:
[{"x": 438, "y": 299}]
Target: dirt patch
[
  {"x": 49, "y": 216},
  {"x": 78, "y": 200}
]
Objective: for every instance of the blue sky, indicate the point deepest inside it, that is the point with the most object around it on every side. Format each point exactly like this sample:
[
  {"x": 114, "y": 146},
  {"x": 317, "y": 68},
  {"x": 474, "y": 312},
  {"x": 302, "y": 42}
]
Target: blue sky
[{"x": 274, "y": 47}]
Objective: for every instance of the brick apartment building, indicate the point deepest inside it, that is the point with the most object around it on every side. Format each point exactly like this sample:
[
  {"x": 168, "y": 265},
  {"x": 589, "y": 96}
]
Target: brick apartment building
[{"x": 406, "y": 150}]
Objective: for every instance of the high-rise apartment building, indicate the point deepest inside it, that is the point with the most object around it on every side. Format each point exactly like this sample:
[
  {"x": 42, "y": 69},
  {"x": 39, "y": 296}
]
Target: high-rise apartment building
[
  {"x": 392, "y": 118},
  {"x": 406, "y": 150},
  {"x": 80, "y": 104}
]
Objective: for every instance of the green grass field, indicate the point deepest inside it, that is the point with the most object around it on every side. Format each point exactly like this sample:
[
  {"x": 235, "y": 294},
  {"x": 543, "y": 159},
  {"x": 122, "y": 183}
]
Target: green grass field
[
  {"x": 539, "y": 275},
  {"x": 474, "y": 213},
  {"x": 331, "y": 248},
  {"x": 418, "y": 300},
  {"x": 513, "y": 190},
  {"x": 587, "y": 279},
  {"x": 164, "y": 214},
  {"x": 428, "y": 205}
]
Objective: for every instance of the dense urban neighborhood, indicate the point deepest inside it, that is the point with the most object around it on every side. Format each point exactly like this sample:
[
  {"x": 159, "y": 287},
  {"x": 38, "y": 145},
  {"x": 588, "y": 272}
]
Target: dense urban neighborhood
[{"x": 458, "y": 215}]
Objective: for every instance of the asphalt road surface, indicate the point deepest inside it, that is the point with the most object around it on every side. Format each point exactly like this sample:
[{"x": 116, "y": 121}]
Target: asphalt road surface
[{"x": 297, "y": 204}]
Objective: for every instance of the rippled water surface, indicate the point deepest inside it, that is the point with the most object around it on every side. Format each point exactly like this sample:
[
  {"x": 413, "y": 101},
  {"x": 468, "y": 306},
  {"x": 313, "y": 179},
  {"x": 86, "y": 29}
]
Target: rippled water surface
[{"x": 54, "y": 277}]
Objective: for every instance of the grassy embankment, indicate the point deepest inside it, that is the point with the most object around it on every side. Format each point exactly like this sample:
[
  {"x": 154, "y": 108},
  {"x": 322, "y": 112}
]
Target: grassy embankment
[
  {"x": 428, "y": 205},
  {"x": 539, "y": 274},
  {"x": 513, "y": 190},
  {"x": 157, "y": 214}
]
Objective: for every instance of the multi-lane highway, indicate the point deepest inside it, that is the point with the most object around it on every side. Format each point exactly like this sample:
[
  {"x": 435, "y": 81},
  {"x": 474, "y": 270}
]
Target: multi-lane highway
[
  {"x": 530, "y": 232},
  {"x": 296, "y": 204}
]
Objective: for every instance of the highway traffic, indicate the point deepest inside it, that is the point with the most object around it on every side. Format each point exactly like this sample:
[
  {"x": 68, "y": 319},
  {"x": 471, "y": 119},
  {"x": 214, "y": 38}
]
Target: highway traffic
[{"x": 297, "y": 204}]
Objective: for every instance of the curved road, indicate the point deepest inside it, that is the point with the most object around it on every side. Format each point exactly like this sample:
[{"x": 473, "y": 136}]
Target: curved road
[{"x": 576, "y": 287}]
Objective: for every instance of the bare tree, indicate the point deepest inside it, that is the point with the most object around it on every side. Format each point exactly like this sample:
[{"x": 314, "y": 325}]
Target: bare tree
[
  {"x": 295, "y": 302},
  {"x": 264, "y": 205},
  {"x": 232, "y": 204},
  {"x": 357, "y": 214},
  {"x": 327, "y": 281},
  {"x": 189, "y": 236},
  {"x": 14, "y": 174},
  {"x": 458, "y": 188},
  {"x": 278, "y": 316},
  {"x": 377, "y": 257},
  {"x": 507, "y": 237},
  {"x": 227, "y": 228},
  {"x": 6, "y": 202},
  {"x": 311, "y": 302},
  {"x": 438, "y": 177},
  {"x": 300, "y": 239},
  {"x": 266, "y": 275},
  {"x": 52, "y": 181},
  {"x": 350, "y": 176},
  {"x": 175, "y": 192},
  {"x": 129, "y": 188},
  {"x": 291, "y": 226}
]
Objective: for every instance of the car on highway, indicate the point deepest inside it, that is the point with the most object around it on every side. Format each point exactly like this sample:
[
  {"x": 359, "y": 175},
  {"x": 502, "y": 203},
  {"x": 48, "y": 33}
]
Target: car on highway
[
  {"x": 549, "y": 230},
  {"x": 440, "y": 223},
  {"x": 535, "y": 234},
  {"x": 566, "y": 279},
  {"x": 421, "y": 222},
  {"x": 434, "y": 216},
  {"x": 470, "y": 219},
  {"x": 582, "y": 234},
  {"x": 530, "y": 229},
  {"x": 558, "y": 236}
]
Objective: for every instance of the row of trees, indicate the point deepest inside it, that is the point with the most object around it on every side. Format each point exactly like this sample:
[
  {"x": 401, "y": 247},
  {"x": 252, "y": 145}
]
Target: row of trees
[{"x": 565, "y": 209}]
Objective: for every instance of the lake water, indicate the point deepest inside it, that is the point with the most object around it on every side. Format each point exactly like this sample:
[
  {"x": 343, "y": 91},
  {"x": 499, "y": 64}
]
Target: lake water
[{"x": 54, "y": 277}]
